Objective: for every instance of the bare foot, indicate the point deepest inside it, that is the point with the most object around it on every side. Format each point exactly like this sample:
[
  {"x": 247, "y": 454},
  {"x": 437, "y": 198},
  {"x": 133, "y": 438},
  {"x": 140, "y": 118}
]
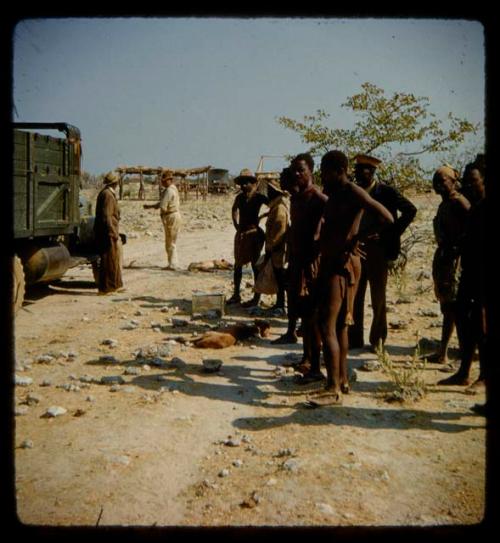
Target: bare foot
[
  {"x": 284, "y": 339},
  {"x": 455, "y": 379},
  {"x": 437, "y": 358}
]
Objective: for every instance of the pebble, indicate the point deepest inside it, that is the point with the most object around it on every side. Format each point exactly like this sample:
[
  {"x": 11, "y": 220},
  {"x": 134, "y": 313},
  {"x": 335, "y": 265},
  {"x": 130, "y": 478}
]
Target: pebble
[
  {"x": 132, "y": 370},
  {"x": 109, "y": 358},
  {"x": 44, "y": 359},
  {"x": 69, "y": 387},
  {"x": 21, "y": 410},
  {"x": 110, "y": 341},
  {"x": 115, "y": 388},
  {"x": 26, "y": 444},
  {"x": 55, "y": 411},
  {"x": 32, "y": 399},
  {"x": 325, "y": 508},
  {"x": 112, "y": 379},
  {"x": 271, "y": 482},
  {"x": 285, "y": 452},
  {"x": 46, "y": 383},
  {"x": 22, "y": 381},
  {"x": 370, "y": 365},
  {"x": 237, "y": 463},
  {"x": 292, "y": 465},
  {"x": 232, "y": 442},
  {"x": 90, "y": 398},
  {"x": 223, "y": 473}
]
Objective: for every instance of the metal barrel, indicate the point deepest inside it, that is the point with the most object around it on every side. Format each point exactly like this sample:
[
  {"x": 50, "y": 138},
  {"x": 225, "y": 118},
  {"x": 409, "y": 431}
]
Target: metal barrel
[{"x": 43, "y": 264}]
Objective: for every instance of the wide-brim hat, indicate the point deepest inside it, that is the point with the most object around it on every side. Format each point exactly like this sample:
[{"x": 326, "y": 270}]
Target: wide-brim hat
[
  {"x": 275, "y": 185},
  {"x": 166, "y": 175},
  {"x": 111, "y": 178},
  {"x": 367, "y": 160},
  {"x": 245, "y": 175}
]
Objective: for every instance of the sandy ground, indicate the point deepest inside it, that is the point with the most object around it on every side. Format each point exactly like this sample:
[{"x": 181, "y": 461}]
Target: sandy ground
[{"x": 175, "y": 446}]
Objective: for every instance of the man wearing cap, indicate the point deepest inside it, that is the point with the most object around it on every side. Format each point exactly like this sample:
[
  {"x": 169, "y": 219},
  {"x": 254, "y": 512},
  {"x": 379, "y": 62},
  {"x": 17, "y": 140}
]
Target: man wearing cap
[
  {"x": 107, "y": 237},
  {"x": 380, "y": 249},
  {"x": 276, "y": 230},
  {"x": 249, "y": 237},
  {"x": 449, "y": 229},
  {"x": 169, "y": 206}
]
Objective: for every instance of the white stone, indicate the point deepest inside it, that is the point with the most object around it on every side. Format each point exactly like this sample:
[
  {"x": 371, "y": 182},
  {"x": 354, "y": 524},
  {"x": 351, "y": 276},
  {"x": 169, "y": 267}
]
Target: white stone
[{"x": 55, "y": 411}]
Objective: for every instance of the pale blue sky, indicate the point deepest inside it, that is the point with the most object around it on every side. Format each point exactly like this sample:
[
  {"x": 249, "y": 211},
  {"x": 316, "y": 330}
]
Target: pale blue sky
[{"x": 188, "y": 92}]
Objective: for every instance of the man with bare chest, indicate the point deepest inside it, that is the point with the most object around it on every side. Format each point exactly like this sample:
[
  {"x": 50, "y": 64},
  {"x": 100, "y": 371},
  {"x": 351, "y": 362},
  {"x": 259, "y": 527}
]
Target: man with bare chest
[{"x": 339, "y": 267}]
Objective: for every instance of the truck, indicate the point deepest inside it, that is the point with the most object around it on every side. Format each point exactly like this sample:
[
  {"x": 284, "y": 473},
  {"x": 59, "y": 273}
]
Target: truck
[
  {"x": 53, "y": 224},
  {"x": 219, "y": 181}
]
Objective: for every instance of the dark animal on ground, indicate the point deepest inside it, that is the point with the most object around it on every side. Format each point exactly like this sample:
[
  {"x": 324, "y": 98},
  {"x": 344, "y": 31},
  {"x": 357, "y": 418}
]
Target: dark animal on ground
[{"x": 230, "y": 335}]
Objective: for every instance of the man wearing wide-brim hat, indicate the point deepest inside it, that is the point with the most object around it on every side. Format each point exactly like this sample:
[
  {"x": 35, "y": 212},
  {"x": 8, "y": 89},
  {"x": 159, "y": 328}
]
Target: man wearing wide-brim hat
[
  {"x": 380, "y": 249},
  {"x": 278, "y": 220},
  {"x": 249, "y": 237},
  {"x": 170, "y": 213},
  {"x": 107, "y": 236}
]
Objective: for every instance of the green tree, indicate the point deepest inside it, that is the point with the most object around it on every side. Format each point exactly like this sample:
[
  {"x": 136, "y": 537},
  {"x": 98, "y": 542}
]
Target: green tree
[{"x": 398, "y": 129}]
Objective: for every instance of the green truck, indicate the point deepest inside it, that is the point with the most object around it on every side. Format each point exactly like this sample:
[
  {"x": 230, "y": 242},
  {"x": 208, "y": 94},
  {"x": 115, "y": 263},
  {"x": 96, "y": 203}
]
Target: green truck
[{"x": 53, "y": 226}]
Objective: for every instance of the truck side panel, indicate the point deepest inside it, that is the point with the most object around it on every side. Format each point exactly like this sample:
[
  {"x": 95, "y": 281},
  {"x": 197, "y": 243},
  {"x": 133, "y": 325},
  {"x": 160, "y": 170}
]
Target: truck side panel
[{"x": 45, "y": 186}]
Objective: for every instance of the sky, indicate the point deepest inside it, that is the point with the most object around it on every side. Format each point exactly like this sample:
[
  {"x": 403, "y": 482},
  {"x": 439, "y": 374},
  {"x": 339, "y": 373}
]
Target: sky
[{"x": 189, "y": 92}]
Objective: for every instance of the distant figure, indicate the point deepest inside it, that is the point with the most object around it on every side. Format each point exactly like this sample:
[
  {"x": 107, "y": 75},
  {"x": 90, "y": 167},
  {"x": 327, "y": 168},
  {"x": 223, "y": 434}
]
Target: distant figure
[
  {"x": 340, "y": 266},
  {"x": 107, "y": 237},
  {"x": 470, "y": 312},
  {"x": 380, "y": 248},
  {"x": 276, "y": 235},
  {"x": 449, "y": 229},
  {"x": 249, "y": 237},
  {"x": 171, "y": 218}
]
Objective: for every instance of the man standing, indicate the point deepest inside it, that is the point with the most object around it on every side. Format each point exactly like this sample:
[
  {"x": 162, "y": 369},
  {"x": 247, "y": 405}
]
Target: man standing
[
  {"x": 171, "y": 218},
  {"x": 340, "y": 266},
  {"x": 107, "y": 237},
  {"x": 471, "y": 293},
  {"x": 380, "y": 249},
  {"x": 306, "y": 210},
  {"x": 249, "y": 237},
  {"x": 449, "y": 229}
]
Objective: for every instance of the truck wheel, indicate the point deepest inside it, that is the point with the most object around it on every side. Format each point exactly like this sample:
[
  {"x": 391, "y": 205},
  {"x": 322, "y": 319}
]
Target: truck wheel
[{"x": 18, "y": 284}]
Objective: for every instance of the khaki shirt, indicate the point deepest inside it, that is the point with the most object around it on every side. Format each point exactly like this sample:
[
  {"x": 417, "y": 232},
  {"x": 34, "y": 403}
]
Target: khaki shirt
[{"x": 170, "y": 202}]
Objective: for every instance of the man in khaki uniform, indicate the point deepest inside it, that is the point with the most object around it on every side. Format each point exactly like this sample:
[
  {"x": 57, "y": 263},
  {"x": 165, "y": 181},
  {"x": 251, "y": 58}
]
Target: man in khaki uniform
[
  {"x": 277, "y": 223},
  {"x": 169, "y": 206}
]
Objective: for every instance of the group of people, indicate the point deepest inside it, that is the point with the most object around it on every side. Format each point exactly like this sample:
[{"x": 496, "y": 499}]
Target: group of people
[
  {"x": 459, "y": 267},
  {"x": 322, "y": 234},
  {"x": 327, "y": 245}
]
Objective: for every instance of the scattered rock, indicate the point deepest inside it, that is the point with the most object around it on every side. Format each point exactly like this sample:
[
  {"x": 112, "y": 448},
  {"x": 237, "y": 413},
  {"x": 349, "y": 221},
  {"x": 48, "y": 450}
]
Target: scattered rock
[
  {"x": 223, "y": 473},
  {"x": 237, "y": 463},
  {"x": 325, "y": 508},
  {"x": 398, "y": 325},
  {"x": 211, "y": 365},
  {"x": 112, "y": 379},
  {"x": 108, "y": 358},
  {"x": 285, "y": 452},
  {"x": 232, "y": 442},
  {"x": 55, "y": 411},
  {"x": 371, "y": 365},
  {"x": 21, "y": 410},
  {"x": 45, "y": 359},
  {"x": 26, "y": 444},
  {"x": 292, "y": 465},
  {"x": 132, "y": 370},
  {"x": 46, "y": 383},
  {"x": 22, "y": 381},
  {"x": 111, "y": 342},
  {"x": 32, "y": 399}
]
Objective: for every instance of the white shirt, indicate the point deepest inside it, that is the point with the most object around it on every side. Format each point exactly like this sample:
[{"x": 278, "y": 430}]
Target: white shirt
[{"x": 170, "y": 202}]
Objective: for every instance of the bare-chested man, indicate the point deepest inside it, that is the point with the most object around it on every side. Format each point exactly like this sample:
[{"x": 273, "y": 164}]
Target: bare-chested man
[
  {"x": 340, "y": 267},
  {"x": 306, "y": 209}
]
